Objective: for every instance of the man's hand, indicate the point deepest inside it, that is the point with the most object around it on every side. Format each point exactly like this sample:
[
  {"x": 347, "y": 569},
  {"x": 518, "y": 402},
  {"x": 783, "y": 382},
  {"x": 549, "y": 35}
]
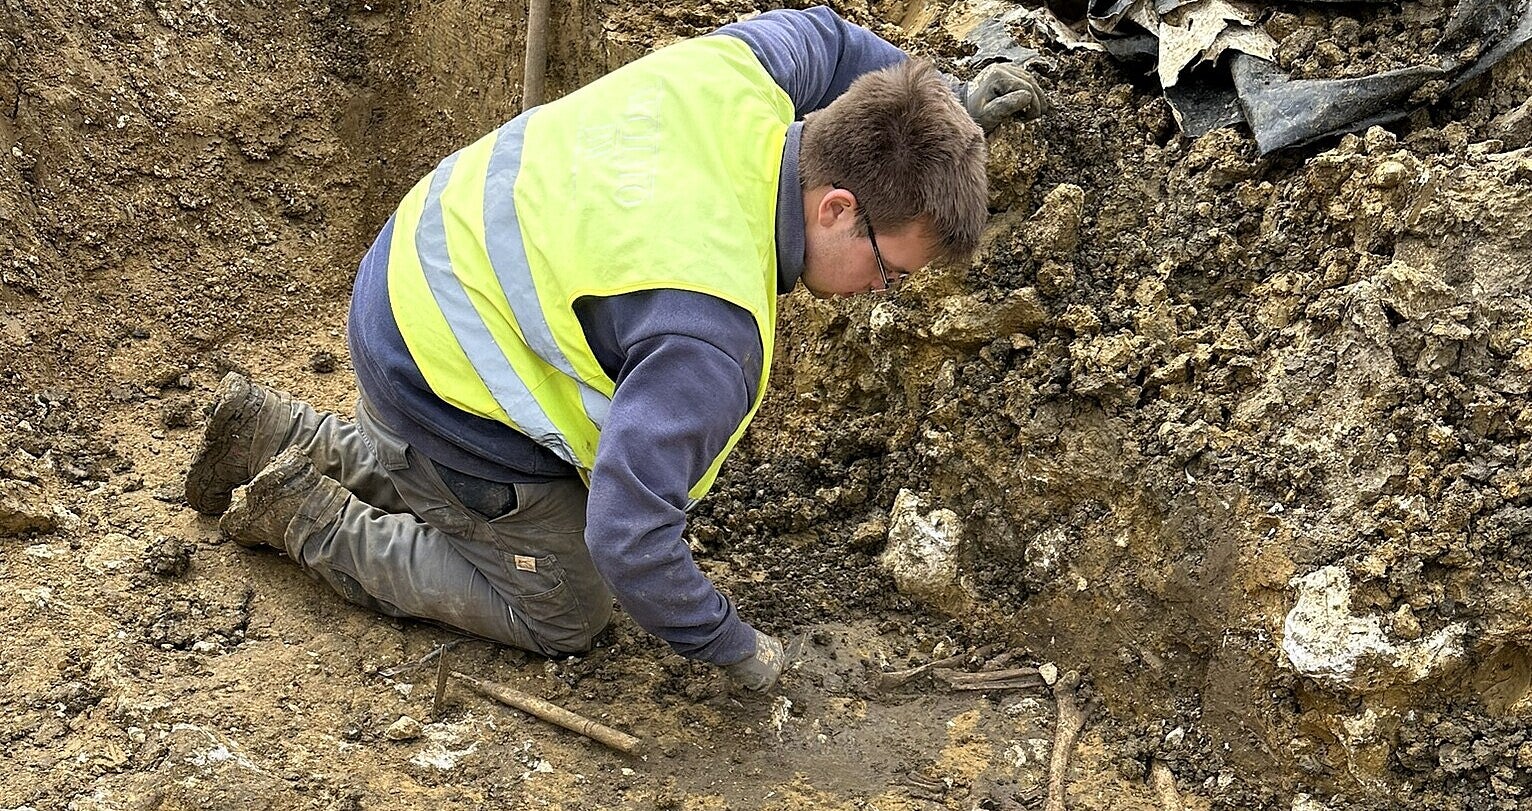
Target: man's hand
[
  {"x": 1004, "y": 90},
  {"x": 760, "y": 671}
]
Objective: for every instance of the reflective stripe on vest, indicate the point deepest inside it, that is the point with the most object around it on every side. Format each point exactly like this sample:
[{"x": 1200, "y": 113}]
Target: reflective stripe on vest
[
  {"x": 509, "y": 258},
  {"x": 632, "y": 183},
  {"x": 472, "y": 335}
]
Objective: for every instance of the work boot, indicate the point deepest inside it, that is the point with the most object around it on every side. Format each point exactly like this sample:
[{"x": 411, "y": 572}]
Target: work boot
[
  {"x": 260, "y": 511},
  {"x": 247, "y": 423}
]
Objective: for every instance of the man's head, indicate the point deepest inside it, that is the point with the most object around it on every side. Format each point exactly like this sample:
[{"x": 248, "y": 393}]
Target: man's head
[{"x": 896, "y": 152}]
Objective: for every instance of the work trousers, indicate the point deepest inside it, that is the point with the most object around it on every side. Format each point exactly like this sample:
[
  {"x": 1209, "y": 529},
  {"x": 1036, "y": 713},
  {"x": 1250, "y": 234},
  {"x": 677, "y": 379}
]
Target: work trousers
[{"x": 388, "y": 532}]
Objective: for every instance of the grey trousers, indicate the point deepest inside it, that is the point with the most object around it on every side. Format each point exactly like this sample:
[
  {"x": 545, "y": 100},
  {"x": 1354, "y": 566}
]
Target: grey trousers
[{"x": 388, "y": 533}]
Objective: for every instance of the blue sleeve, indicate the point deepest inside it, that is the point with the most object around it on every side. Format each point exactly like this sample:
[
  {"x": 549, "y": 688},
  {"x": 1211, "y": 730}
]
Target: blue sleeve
[
  {"x": 679, "y": 399},
  {"x": 814, "y": 55}
]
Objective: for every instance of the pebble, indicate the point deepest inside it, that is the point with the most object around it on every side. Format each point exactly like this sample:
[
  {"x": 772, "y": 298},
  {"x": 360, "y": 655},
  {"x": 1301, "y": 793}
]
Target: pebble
[
  {"x": 404, "y": 729},
  {"x": 1389, "y": 174}
]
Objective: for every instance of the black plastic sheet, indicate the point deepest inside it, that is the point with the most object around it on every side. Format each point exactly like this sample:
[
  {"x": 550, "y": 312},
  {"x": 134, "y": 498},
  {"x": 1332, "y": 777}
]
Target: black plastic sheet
[
  {"x": 993, "y": 42},
  {"x": 1284, "y": 112}
]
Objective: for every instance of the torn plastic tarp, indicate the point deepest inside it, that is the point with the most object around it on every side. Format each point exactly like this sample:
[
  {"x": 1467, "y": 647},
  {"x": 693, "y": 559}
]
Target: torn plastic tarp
[
  {"x": 1180, "y": 35},
  {"x": 1192, "y": 32},
  {"x": 1282, "y": 111},
  {"x": 993, "y": 42}
]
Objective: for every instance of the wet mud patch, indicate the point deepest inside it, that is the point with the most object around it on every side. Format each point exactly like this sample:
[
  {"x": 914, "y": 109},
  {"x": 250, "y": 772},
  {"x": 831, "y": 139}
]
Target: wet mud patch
[{"x": 831, "y": 732}]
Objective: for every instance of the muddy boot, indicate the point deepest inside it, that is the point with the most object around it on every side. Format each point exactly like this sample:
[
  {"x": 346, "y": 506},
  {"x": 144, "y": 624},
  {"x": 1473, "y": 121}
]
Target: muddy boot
[
  {"x": 261, "y": 511},
  {"x": 247, "y": 423}
]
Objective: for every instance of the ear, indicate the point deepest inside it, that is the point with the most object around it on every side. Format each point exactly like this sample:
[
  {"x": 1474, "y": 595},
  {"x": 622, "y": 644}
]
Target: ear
[{"x": 835, "y": 206}]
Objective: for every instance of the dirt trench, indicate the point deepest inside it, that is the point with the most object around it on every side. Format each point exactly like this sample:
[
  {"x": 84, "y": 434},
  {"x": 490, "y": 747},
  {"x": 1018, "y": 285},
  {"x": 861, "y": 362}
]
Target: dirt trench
[{"x": 1199, "y": 419}]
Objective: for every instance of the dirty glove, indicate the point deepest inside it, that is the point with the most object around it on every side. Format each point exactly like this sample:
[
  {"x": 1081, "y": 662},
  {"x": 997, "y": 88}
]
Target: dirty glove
[
  {"x": 1004, "y": 90},
  {"x": 760, "y": 671}
]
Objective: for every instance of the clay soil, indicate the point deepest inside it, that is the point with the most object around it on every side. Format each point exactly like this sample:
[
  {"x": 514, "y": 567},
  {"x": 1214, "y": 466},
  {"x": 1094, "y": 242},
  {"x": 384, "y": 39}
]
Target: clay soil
[
  {"x": 1325, "y": 41},
  {"x": 1178, "y": 379}
]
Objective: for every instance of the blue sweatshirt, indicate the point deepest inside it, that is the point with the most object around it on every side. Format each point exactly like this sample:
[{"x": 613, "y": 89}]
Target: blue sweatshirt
[{"x": 686, "y": 367}]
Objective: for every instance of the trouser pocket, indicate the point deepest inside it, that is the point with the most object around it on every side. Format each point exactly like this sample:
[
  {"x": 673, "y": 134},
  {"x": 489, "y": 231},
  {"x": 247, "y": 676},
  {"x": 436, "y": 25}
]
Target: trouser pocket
[
  {"x": 542, "y": 549},
  {"x": 391, "y": 450},
  {"x": 557, "y": 616},
  {"x": 532, "y": 555}
]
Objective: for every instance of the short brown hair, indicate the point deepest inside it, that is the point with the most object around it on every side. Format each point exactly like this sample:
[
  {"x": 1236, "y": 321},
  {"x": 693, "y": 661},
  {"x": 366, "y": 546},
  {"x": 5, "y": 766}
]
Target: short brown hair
[{"x": 900, "y": 141}]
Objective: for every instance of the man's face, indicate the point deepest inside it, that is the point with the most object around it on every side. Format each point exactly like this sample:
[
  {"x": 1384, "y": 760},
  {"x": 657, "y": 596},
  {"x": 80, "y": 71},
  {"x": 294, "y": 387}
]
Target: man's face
[{"x": 840, "y": 262}]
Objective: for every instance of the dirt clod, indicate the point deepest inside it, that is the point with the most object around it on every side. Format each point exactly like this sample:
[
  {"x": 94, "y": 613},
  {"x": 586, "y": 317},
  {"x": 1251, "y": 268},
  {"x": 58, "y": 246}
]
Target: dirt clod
[{"x": 168, "y": 557}]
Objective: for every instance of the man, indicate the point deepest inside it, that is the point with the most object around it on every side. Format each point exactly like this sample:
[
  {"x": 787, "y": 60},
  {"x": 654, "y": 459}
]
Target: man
[{"x": 564, "y": 329}]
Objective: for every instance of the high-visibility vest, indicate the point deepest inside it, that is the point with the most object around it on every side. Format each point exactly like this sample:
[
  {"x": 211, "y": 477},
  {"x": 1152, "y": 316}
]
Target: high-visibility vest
[{"x": 662, "y": 174}]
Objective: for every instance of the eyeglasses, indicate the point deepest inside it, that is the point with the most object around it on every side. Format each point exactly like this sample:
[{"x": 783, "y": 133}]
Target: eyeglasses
[{"x": 872, "y": 237}]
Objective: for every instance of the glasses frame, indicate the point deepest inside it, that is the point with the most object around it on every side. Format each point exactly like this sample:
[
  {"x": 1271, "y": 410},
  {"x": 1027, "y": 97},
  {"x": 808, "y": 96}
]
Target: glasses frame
[{"x": 872, "y": 237}]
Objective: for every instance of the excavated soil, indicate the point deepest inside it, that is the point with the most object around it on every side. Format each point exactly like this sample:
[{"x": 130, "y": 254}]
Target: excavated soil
[
  {"x": 1182, "y": 393},
  {"x": 1326, "y": 41}
]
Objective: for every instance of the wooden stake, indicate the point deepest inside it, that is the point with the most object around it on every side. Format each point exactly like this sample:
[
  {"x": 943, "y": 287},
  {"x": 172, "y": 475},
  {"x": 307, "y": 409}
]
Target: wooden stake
[
  {"x": 440, "y": 695},
  {"x": 1016, "y": 678},
  {"x": 535, "y": 61},
  {"x": 554, "y": 714}
]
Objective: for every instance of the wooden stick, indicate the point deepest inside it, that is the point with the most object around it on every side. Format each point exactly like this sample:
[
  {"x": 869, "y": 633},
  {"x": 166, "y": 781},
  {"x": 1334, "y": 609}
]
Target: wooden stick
[
  {"x": 897, "y": 678},
  {"x": 554, "y": 714},
  {"x": 436, "y": 652}
]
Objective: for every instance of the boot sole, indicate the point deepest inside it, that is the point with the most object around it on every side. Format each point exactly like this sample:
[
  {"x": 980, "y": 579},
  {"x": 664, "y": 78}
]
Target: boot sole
[
  {"x": 213, "y": 476},
  {"x": 251, "y": 502}
]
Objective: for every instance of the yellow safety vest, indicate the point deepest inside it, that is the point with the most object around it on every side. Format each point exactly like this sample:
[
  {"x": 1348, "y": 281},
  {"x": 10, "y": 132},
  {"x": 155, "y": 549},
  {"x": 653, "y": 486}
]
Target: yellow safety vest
[{"x": 662, "y": 174}]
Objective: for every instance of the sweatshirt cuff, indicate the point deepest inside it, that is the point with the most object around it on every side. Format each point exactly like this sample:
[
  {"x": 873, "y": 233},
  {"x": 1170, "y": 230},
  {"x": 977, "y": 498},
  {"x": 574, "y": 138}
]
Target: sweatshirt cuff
[{"x": 735, "y": 644}]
